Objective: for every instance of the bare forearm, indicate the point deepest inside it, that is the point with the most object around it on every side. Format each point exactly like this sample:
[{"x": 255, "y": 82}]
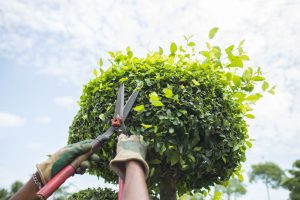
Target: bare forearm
[
  {"x": 135, "y": 187},
  {"x": 28, "y": 191}
]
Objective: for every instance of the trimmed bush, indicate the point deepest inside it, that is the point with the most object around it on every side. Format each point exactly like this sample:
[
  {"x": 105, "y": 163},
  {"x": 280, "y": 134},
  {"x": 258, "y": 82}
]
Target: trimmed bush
[{"x": 191, "y": 112}]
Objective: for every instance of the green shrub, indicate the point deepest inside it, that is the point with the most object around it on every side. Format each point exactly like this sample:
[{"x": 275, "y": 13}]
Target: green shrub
[
  {"x": 94, "y": 194},
  {"x": 191, "y": 111}
]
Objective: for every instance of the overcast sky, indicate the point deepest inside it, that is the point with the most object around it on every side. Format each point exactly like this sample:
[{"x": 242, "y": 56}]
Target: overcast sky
[{"x": 48, "y": 50}]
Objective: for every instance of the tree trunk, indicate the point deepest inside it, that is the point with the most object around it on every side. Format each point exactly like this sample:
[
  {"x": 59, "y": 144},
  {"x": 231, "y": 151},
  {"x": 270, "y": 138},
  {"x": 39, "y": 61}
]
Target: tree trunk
[
  {"x": 228, "y": 195},
  {"x": 168, "y": 189},
  {"x": 268, "y": 192}
]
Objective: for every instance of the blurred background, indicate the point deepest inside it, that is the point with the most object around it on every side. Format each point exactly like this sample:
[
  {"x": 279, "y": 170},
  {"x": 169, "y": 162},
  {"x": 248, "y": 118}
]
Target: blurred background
[{"x": 48, "y": 50}]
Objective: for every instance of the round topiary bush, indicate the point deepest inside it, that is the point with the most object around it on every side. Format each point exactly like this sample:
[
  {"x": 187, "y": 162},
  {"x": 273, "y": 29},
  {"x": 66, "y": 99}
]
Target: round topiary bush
[
  {"x": 190, "y": 111},
  {"x": 94, "y": 194}
]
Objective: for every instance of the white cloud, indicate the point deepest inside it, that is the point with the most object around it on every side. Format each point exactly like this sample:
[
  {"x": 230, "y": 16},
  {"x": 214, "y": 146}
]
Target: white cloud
[
  {"x": 34, "y": 146},
  {"x": 11, "y": 120},
  {"x": 65, "y": 40},
  {"x": 66, "y": 102},
  {"x": 43, "y": 119}
]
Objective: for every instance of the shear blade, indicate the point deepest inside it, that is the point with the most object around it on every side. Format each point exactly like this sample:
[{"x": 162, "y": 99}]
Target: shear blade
[{"x": 120, "y": 102}]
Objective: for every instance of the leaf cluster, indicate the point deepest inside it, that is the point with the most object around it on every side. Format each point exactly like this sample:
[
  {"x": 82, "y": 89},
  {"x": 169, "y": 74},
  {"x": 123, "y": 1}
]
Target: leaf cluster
[
  {"x": 191, "y": 111},
  {"x": 94, "y": 194},
  {"x": 14, "y": 188},
  {"x": 270, "y": 173},
  {"x": 293, "y": 182}
]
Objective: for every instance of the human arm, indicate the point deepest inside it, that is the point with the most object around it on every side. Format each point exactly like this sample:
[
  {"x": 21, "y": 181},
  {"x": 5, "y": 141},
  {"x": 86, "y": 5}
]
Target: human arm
[
  {"x": 130, "y": 165},
  {"x": 28, "y": 191},
  {"x": 135, "y": 182},
  {"x": 49, "y": 168}
]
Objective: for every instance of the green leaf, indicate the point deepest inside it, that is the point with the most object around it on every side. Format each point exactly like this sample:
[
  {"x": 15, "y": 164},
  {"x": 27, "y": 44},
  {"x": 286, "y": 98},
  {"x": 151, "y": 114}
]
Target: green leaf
[
  {"x": 229, "y": 49},
  {"x": 240, "y": 177},
  {"x": 152, "y": 172},
  {"x": 205, "y": 53},
  {"x": 224, "y": 159},
  {"x": 168, "y": 92},
  {"x": 155, "y": 100},
  {"x": 154, "y": 96},
  {"x": 272, "y": 90},
  {"x": 236, "y": 80},
  {"x": 102, "y": 117},
  {"x": 236, "y": 61},
  {"x": 208, "y": 45},
  {"x": 171, "y": 60},
  {"x": 228, "y": 76},
  {"x": 175, "y": 97},
  {"x": 249, "y": 144},
  {"x": 139, "y": 108},
  {"x": 213, "y": 32},
  {"x": 191, "y": 44},
  {"x": 216, "y": 52},
  {"x": 217, "y": 195},
  {"x": 171, "y": 130},
  {"x": 173, "y": 48},
  {"x": 161, "y": 51},
  {"x": 244, "y": 57},
  {"x": 246, "y": 75},
  {"x": 195, "y": 82},
  {"x": 250, "y": 116},
  {"x": 154, "y": 162},
  {"x": 191, "y": 157},
  {"x": 100, "y": 62},
  {"x": 123, "y": 79},
  {"x": 95, "y": 72},
  {"x": 174, "y": 159},
  {"x": 146, "y": 125},
  {"x": 157, "y": 103},
  {"x": 265, "y": 86},
  {"x": 258, "y": 78},
  {"x": 241, "y": 43},
  {"x": 254, "y": 97}
]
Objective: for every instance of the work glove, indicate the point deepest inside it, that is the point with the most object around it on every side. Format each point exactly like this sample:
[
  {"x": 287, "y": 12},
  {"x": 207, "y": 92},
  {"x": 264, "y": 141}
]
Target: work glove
[
  {"x": 129, "y": 148},
  {"x": 63, "y": 157}
]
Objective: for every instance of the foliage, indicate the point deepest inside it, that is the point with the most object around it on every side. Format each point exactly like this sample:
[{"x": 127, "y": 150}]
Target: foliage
[
  {"x": 233, "y": 188},
  {"x": 15, "y": 187},
  {"x": 61, "y": 193},
  {"x": 293, "y": 183},
  {"x": 217, "y": 195},
  {"x": 191, "y": 111},
  {"x": 6, "y": 194},
  {"x": 196, "y": 196},
  {"x": 270, "y": 173},
  {"x": 95, "y": 194}
]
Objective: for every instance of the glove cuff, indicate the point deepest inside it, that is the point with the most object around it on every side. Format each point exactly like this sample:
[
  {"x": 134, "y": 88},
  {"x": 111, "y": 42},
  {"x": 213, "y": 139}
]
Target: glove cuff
[
  {"x": 117, "y": 165},
  {"x": 44, "y": 170}
]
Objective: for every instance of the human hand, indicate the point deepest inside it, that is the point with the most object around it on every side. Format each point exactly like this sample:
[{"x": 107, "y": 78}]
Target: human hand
[
  {"x": 129, "y": 148},
  {"x": 63, "y": 157}
]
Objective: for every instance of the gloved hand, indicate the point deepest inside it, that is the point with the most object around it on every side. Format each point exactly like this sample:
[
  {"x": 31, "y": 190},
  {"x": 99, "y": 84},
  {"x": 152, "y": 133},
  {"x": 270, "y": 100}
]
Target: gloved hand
[
  {"x": 129, "y": 148},
  {"x": 63, "y": 157}
]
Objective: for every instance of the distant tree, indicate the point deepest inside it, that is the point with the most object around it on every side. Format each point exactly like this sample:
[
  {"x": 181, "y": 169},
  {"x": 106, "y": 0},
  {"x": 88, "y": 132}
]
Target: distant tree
[
  {"x": 4, "y": 194},
  {"x": 15, "y": 186},
  {"x": 269, "y": 173},
  {"x": 293, "y": 183},
  {"x": 61, "y": 193},
  {"x": 216, "y": 195},
  {"x": 234, "y": 188}
]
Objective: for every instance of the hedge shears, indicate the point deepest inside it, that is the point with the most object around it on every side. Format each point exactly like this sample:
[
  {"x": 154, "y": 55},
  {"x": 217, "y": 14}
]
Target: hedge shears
[{"x": 117, "y": 125}]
